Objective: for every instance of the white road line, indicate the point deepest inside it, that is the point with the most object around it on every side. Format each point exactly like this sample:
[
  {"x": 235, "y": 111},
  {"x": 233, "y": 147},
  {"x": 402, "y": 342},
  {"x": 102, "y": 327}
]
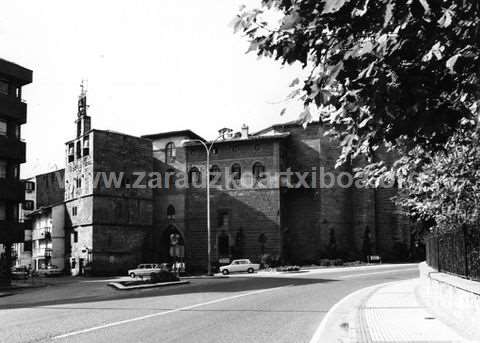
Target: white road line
[
  {"x": 158, "y": 314},
  {"x": 382, "y": 272},
  {"x": 323, "y": 324}
]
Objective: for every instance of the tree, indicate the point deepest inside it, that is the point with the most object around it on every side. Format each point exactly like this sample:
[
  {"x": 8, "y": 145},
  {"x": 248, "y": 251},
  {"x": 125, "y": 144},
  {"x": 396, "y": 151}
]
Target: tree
[
  {"x": 400, "y": 74},
  {"x": 445, "y": 185}
]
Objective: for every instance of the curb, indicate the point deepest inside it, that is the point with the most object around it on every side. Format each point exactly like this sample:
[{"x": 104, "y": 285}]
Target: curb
[
  {"x": 119, "y": 286},
  {"x": 204, "y": 277},
  {"x": 341, "y": 323}
]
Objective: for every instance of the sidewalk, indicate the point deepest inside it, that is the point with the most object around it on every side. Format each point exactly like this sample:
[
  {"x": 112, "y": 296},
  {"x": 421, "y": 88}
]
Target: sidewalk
[{"x": 394, "y": 313}]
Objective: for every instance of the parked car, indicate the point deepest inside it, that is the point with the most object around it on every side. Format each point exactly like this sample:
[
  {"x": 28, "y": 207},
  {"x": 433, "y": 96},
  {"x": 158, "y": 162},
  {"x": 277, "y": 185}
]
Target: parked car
[
  {"x": 20, "y": 273},
  {"x": 237, "y": 266},
  {"x": 146, "y": 269},
  {"x": 50, "y": 270}
]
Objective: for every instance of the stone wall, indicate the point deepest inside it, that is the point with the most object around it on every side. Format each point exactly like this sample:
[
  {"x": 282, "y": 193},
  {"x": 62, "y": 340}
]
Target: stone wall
[
  {"x": 50, "y": 188},
  {"x": 453, "y": 299},
  {"x": 112, "y": 221}
]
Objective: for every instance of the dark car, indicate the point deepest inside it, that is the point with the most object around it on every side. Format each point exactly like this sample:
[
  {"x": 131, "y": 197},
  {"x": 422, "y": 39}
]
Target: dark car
[{"x": 20, "y": 273}]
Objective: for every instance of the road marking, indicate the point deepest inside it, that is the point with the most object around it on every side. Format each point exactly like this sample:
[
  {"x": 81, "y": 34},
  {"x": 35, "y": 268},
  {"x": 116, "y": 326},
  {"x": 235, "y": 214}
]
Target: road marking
[
  {"x": 323, "y": 324},
  {"x": 382, "y": 272},
  {"x": 158, "y": 314}
]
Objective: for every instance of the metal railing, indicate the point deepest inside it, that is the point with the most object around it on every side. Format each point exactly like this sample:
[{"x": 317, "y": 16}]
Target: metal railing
[{"x": 456, "y": 252}]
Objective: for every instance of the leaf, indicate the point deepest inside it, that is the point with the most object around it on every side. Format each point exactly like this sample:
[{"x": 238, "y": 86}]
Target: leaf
[
  {"x": 295, "y": 82},
  {"x": 289, "y": 21},
  {"x": 236, "y": 23},
  {"x": 306, "y": 116},
  {"x": 425, "y": 5},
  {"x": 360, "y": 12},
  {"x": 367, "y": 71},
  {"x": 436, "y": 51},
  {"x": 451, "y": 62},
  {"x": 332, "y": 6},
  {"x": 253, "y": 47},
  {"x": 446, "y": 19},
  {"x": 364, "y": 122},
  {"x": 388, "y": 13}
]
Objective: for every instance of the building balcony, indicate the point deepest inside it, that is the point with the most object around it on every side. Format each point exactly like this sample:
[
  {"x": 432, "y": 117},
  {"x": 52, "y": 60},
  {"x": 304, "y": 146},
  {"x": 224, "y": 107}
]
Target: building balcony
[
  {"x": 12, "y": 190},
  {"x": 43, "y": 233},
  {"x": 12, "y": 232},
  {"x": 14, "y": 109},
  {"x": 12, "y": 149}
]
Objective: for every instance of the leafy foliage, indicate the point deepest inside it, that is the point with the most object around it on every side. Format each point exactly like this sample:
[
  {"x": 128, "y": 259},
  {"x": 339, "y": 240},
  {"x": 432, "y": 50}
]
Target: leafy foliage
[
  {"x": 444, "y": 186},
  {"x": 380, "y": 71},
  {"x": 401, "y": 74}
]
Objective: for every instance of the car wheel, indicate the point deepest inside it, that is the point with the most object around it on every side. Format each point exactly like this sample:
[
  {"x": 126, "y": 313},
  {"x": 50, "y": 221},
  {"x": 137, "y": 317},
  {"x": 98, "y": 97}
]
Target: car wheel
[
  {"x": 132, "y": 275},
  {"x": 225, "y": 272},
  {"x": 250, "y": 270}
]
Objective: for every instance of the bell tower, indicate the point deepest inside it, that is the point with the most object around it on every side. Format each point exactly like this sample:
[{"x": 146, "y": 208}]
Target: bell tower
[{"x": 83, "y": 120}]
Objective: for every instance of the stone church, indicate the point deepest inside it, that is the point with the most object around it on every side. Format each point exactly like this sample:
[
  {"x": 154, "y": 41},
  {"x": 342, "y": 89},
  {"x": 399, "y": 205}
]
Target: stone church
[{"x": 110, "y": 228}]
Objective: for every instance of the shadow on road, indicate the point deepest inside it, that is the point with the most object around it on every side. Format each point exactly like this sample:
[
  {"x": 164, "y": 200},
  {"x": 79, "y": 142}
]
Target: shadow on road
[{"x": 47, "y": 296}]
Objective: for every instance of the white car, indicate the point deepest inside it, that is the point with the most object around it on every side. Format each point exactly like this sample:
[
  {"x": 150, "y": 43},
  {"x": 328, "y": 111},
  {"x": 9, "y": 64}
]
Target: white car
[
  {"x": 50, "y": 270},
  {"x": 145, "y": 269},
  {"x": 240, "y": 266}
]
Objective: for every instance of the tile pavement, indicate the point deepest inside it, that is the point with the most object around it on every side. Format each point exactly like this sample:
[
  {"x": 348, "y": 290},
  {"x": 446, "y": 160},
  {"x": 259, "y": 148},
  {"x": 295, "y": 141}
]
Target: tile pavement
[{"x": 393, "y": 313}]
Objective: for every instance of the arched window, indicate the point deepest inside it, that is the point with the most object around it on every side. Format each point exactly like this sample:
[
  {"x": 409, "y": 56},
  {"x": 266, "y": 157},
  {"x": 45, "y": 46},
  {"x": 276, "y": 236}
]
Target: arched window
[
  {"x": 170, "y": 212},
  {"x": 215, "y": 174},
  {"x": 194, "y": 176},
  {"x": 170, "y": 153},
  {"x": 236, "y": 171},
  {"x": 258, "y": 171}
]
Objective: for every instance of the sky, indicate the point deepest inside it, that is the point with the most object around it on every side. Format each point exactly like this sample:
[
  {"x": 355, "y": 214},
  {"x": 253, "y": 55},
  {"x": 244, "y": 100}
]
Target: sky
[{"x": 151, "y": 66}]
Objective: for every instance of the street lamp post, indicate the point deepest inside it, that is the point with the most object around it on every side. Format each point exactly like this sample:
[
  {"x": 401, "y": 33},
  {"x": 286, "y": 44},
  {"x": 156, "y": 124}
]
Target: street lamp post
[{"x": 208, "y": 149}]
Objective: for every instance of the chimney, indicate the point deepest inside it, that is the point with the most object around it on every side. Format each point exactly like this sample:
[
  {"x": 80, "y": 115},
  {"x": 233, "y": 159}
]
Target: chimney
[{"x": 244, "y": 131}]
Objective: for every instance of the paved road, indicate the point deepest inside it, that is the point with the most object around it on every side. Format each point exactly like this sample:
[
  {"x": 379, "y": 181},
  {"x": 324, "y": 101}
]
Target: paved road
[{"x": 265, "y": 307}]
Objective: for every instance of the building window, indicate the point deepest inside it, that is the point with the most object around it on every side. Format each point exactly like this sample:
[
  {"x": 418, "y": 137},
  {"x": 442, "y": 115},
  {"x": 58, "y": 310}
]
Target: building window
[
  {"x": 3, "y": 169},
  {"x": 79, "y": 149},
  {"x": 16, "y": 171},
  {"x": 74, "y": 211},
  {"x": 28, "y": 205},
  {"x": 258, "y": 171},
  {"x": 170, "y": 178},
  {"x": 3, "y": 210},
  {"x": 170, "y": 152},
  {"x": 236, "y": 171},
  {"x": 29, "y": 186},
  {"x": 71, "y": 153},
  {"x": 86, "y": 146},
  {"x": 78, "y": 183},
  {"x": 170, "y": 212},
  {"x": 215, "y": 174},
  {"x": 223, "y": 219},
  {"x": 3, "y": 128},
  {"x": 4, "y": 87},
  {"x": 194, "y": 176},
  {"x": 75, "y": 236}
]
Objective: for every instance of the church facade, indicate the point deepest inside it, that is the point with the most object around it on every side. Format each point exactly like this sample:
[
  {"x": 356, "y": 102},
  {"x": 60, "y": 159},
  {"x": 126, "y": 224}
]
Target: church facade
[{"x": 267, "y": 198}]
